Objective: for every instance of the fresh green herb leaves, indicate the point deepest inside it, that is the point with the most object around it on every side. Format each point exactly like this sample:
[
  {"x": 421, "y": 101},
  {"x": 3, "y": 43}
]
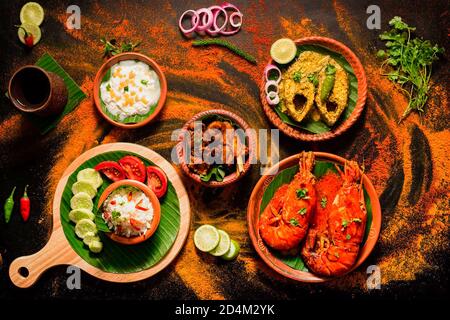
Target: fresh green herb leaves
[
  {"x": 302, "y": 211},
  {"x": 112, "y": 47},
  {"x": 314, "y": 79},
  {"x": 294, "y": 222},
  {"x": 302, "y": 193},
  {"x": 144, "y": 82},
  {"x": 115, "y": 215},
  {"x": 297, "y": 76},
  {"x": 126, "y": 89},
  {"x": 356, "y": 220},
  {"x": 323, "y": 202},
  {"x": 345, "y": 223},
  {"x": 411, "y": 60},
  {"x": 217, "y": 172}
]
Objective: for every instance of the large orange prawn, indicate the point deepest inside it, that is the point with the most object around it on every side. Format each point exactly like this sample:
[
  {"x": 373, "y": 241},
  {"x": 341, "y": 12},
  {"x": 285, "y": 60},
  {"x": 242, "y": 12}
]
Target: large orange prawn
[
  {"x": 284, "y": 222},
  {"x": 332, "y": 244}
]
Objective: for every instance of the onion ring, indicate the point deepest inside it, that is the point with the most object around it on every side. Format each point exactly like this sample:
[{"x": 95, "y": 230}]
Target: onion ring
[
  {"x": 272, "y": 98},
  {"x": 234, "y": 29},
  {"x": 214, "y": 30},
  {"x": 204, "y": 24},
  {"x": 236, "y": 14},
  {"x": 269, "y": 68},
  {"x": 269, "y": 84},
  {"x": 194, "y": 22}
]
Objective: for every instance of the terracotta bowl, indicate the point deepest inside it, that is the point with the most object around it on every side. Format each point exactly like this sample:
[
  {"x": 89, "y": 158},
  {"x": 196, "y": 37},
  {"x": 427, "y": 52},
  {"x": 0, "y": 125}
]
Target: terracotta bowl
[
  {"x": 358, "y": 69},
  {"x": 154, "y": 201},
  {"x": 229, "y": 179},
  {"x": 130, "y": 56},
  {"x": 253, "y": 213}
]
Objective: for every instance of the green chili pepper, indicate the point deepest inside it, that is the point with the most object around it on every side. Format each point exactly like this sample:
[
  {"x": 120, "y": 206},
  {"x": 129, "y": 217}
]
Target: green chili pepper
[
  {"x": 328, "y": 83},
  {"x": 9, "y": 206}
]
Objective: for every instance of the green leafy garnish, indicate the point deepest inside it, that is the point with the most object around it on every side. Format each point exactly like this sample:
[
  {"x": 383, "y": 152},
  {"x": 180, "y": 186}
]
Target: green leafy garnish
[
  {"x": 108, "y": 87},
  {"x": 126, "y": 89},
  {"x": 302, "y": 193},
  {"x": 323, "y": 202},
  {"x": 302, "y": 211},
  {"x": 344, "y": 223},
  {"x": 217, "y": 172},
  {"x": 112, "y": 47},
  {"x": 297, "y": 76},
  {"x": 411, "y": 60},
  {"x": 356, "y": 220},
  {"x": 293, "y": 222},
  {"x": 144, "y": 82},
  {"x": 115, "y": 214},
  {"x": 314, "y": 79}
]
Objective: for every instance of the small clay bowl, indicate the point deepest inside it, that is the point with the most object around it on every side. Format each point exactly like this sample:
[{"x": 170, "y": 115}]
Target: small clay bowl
[
  {"x": 253, "y": 214},
  {"x": 358, "y": 69},
  {"x": 130, "y": 56},
  {"x": 153, "y": 200},
  {"x": 34, "y": 90},
  {"x": 231, "y": 178}
]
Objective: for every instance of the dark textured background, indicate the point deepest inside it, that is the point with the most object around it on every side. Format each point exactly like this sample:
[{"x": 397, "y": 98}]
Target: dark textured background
[{"x": 407, "y": 163}]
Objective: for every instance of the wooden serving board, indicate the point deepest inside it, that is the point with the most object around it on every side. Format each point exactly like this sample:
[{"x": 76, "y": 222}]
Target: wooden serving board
[
  {"x": 253, "y": 213},
  {"x": 58, "y": 251}
]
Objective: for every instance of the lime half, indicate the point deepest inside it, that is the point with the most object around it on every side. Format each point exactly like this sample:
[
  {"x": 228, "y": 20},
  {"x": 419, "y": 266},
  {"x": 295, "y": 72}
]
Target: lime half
[
  {"x": 233, "y": 252},
  {"x": 30, "y": 28},
  {"x": 223, "y": 246},
  {"x": 283, "y": 50},
  {"x": 32, "y": 13},
  {"x": 206, "y": 238}
]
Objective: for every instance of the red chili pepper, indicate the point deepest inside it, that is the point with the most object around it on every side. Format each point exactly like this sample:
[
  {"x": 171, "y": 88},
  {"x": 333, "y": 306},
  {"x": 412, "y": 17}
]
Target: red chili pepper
[
  {"x": 25, "y": 205},
  {"x": 113, "y": 202},
  {"x": 27, "y": 37},
  {"x": 130, "y": 196},
  {"x": 141, "y": 208}
]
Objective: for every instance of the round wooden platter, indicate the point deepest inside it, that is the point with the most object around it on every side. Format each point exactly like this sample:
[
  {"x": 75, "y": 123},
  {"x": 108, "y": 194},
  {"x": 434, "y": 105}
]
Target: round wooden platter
[
  {"x": 253, "y": 213},
  {"x": 58, "y": 250}
]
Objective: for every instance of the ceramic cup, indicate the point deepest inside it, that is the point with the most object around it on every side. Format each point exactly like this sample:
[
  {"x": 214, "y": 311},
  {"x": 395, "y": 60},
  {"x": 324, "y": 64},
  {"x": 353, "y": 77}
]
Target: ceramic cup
[{"x": 37, "y": 91}]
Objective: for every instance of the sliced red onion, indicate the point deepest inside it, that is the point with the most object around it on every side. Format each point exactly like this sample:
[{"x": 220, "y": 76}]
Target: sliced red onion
[
  {"x": 214, "y": 30},
  {"x": 236, "y": 24},
  {"x": 233, "y": 29},
  {"x": 205, "y": 18},
  {"x": 269, "y": 68},
  {"x": 194, "y": 22},
  {"x": 273, "y": 98},
  {"x": 269, "y": 84}
]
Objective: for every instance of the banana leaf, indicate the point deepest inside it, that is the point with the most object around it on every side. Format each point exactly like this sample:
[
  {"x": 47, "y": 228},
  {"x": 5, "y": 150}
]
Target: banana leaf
[
  {"x": 286, "y": 176},
  {"x": 114, "y": 257},
  {"x": 320, "y": 126},
  {"x": 131, "y": 119}
]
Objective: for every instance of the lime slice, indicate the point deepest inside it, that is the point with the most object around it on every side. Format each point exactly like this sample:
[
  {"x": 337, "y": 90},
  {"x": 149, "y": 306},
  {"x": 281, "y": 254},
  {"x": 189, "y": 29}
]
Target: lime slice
[
  {"x": 224, "y": 244},
  {"x": 32, "y": 13},
  {"x": 283, "y": 50},
  {"x": 84, "y": 228},
  {"x": 206, "y": 238},
  {"x": 30, "y": 28},
  {"x": 89, "y": 238},
  {"x": 78, "y": 214},
  {"x": 81, "y": 201},
  {"x": 233, "y": 252},
  {"x": 90, "y": 176},
  {"x": 81, "y": 186},
  {"x": 95, "y": 246}
]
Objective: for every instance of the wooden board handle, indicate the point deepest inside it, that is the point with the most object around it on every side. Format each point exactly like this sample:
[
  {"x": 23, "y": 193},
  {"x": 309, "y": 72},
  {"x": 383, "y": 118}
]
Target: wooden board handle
[{"x": 25, "y": 271}]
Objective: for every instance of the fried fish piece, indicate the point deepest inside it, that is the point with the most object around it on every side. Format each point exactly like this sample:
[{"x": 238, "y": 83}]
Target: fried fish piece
[{"x": 332, "y": 108}]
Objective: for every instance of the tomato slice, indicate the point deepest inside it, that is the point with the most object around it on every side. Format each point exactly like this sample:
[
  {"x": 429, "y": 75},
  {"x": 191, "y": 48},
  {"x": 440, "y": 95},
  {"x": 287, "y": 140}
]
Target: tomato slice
[
  {"x": 134, "y": 168},
  {"x": 111, "y": 170},
  {"x": 157, "y": 181},
  {"x": 136, "y": 224}
]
